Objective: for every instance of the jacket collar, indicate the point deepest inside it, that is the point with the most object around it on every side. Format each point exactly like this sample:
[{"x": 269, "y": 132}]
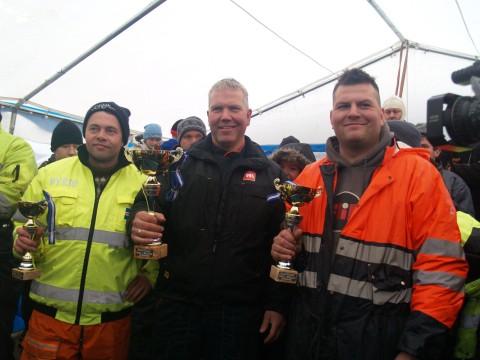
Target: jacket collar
[
  {"x": 83, "y": 157},
  {"x": 251, "y": 154}
]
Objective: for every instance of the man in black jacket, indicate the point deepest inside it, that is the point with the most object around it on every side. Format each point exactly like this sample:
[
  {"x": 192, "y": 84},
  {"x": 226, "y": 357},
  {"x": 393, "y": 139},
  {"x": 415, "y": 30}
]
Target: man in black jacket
[{"x": 218, "y": 301}]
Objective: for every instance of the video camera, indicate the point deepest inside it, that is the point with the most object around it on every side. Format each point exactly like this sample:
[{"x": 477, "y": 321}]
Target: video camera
[{"x": 461, "y": 116}]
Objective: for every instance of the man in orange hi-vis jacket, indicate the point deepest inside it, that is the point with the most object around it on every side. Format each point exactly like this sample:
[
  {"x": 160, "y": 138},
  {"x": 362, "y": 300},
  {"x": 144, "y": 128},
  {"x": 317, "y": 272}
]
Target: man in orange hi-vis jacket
[{"x": 381, "y": 268}]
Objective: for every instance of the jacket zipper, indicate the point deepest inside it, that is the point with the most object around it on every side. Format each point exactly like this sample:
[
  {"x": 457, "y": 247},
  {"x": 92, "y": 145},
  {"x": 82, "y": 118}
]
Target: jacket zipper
[{"x": 87, "y": 257}]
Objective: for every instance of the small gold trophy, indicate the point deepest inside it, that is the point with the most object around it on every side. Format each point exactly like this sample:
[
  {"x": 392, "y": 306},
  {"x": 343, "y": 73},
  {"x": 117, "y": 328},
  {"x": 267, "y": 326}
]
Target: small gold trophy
[
  {"x": 31, "y": 210},
  {"x": 151, "y": 162},
  {"x": 295, "y": 195}
]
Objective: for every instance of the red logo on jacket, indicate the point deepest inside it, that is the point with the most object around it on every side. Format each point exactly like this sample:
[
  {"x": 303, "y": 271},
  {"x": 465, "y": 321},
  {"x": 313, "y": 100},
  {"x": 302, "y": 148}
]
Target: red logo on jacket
[{"x": 250, "y": 176}]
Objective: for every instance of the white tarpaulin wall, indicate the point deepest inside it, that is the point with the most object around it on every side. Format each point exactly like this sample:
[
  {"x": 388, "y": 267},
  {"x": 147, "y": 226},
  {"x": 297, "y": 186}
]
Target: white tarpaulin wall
[
  {"x": 308, "y": 117},
  {"x": 162, "y": 67}
]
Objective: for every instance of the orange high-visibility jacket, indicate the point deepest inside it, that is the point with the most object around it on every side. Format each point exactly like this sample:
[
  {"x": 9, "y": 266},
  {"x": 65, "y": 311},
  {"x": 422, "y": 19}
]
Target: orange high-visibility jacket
[{"x": 398, "y": 255}]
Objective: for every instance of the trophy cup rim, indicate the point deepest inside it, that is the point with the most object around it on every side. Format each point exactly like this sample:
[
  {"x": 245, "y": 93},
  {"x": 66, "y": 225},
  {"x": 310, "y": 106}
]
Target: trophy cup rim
[
  {"x": 138, "y": 156},
  {"x": 308, "y": 193},
  {"x": 40, "y": 208}
]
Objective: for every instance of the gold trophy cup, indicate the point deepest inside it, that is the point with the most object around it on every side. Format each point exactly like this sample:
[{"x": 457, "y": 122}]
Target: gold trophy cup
[
  {"x": 151, "y": 162},
  {"x": 295, "y": 195},
  {"x": 31, "y": 210}
]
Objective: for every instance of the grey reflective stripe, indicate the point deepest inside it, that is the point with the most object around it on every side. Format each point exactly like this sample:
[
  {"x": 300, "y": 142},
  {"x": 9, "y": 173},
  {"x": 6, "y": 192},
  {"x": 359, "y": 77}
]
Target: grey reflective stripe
[
  {"x": 69, "y": 295},
  {"x": 308, "y": 279},
  {"x": 113, "y": 239},
  {"x": 447, "y": 280},
  {"x": 442, "y": 247},
  {"x": 365, "y": 290},
  {"x": 40, "y": 345},
  {"x": 375, "y": 253},
  {"x": 312, "y": 243},
  {"x": 469, "y": 321},
  {"x": 6, "y": 209}
]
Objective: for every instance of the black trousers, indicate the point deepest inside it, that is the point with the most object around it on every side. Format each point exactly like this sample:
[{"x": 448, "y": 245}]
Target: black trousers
[{"x": 10, "y": 289}]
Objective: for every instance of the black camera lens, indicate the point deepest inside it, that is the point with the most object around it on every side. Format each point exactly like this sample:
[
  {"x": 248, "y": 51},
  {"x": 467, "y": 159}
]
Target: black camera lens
[{"x": 463, "y": 120}]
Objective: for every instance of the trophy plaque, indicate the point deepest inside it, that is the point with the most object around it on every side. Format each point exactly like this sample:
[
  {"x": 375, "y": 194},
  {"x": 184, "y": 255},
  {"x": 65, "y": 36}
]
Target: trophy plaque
[
  {"x": 31, "y": 210},
  {"x": 295, "y": 195},
  {"x": 150, "y": 163}
]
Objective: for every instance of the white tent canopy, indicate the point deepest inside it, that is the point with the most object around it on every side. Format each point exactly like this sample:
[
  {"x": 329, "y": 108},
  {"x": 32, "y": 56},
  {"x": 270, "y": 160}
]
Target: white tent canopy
[{"x": 162, "y": 67}]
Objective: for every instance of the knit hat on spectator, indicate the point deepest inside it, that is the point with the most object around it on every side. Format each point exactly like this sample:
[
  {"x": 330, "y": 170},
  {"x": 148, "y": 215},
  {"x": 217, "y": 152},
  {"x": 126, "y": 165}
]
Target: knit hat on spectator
[
  {"x": 122, "y": 114},
  {"x": 189, "y": 124},
  {"x": 395, "y": 102},
  {"x": 152, "y": 131},
  {"x": 289, "y": 140},
  {"x": 173, "y": 130},
  {"x": 406, "y": 132},
  {"x": 66, "y": 132},
  {"x": 422, "y": 127}
]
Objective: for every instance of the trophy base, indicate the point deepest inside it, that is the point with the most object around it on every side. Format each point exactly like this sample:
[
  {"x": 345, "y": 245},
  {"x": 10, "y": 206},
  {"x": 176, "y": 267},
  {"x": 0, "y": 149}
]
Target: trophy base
[
  {"x": 287, "y": 276},
  {"x": 150, "y": 252},
  {"x": 25, "y": 275}
]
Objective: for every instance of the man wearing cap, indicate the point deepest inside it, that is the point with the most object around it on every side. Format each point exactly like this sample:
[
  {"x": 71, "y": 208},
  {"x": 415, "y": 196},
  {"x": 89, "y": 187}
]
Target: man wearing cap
[
  {"x": 89, "y": 278},
  {"x": 191, "y": 130},
  {"x": 394, "y": 108},
  {"x": 152, "y": 137},
  {"x": 66, "y": 138},
  {"x": 17, "y": 169}
]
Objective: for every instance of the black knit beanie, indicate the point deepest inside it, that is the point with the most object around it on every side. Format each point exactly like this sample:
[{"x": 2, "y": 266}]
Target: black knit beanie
[
  {"x": 66, "y": 132},
  {"x": 289, "y": 140},
  {"x": 122, "y": 114}
]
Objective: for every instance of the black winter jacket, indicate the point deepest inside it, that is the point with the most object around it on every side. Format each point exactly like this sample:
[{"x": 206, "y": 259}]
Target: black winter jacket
[{"x": 220, "y": 230}]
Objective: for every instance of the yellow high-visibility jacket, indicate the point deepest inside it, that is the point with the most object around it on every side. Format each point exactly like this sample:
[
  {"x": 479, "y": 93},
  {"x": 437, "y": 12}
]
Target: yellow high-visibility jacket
[{"x": 84, "y": 275}]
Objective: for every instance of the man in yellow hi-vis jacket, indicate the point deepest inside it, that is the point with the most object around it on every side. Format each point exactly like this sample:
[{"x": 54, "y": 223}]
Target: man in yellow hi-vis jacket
[{"x": 89, "y": 278}]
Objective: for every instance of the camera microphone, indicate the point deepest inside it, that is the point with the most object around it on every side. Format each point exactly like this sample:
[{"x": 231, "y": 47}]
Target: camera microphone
[{"x": 462, "y": 76}]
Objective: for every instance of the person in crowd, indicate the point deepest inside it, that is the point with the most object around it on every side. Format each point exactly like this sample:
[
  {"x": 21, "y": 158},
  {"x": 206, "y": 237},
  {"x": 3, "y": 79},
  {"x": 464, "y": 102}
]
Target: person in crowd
[
  {"x": 371, "y": 248},
  {"x": 394, "y": 108},
  {"x": 17, "y": 169},
  {"x": 190, "y": 130},
  {"x": 218, "y": 301},
  {"x": 457, "y": 188},
  {"x": 172, "y": 143},
  {"x": 152, "y": 136},
  {"x": 89, "y": 279},
  {"x": 292, "y": 158},
  {"x": 66, "y": 138}
]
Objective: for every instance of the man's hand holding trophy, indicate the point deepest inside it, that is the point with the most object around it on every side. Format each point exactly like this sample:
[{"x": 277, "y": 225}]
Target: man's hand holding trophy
[
  {"x": 296, "y": 195},
  {"x": 151, "y": 163},
  {"x": 28, "y": 240}
]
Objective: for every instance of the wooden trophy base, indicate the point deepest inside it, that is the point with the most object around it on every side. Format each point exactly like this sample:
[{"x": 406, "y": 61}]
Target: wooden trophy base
[
  {"x": 24, "y": 275},
  {"x": 150, "y": 252},
  {"x": 287, "y": 276}
]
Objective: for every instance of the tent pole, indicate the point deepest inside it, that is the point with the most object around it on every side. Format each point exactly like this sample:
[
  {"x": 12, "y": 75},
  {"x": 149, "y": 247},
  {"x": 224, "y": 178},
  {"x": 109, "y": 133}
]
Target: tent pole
[
  {"x": 82, "y": 57},
  {"x": 387, "y": 20}
]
